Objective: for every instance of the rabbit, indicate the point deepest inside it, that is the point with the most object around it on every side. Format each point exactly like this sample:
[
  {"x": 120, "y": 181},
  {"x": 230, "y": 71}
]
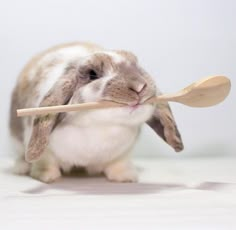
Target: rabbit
[{"x": 100, "y": 141}]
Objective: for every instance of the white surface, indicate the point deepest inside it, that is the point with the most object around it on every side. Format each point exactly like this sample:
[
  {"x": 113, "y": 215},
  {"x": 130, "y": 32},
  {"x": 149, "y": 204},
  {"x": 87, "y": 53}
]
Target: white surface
[
  {"x": 178, "y": 42},
  {"x": 172, "y": 194}
]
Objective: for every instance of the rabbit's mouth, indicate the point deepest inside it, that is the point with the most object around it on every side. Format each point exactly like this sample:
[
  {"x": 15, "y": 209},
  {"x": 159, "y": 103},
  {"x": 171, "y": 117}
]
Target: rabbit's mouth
[
  {"x": 134, "y": 108},
  {"x": 132, "y": 104},
  {"x": 140, "y": 101}
]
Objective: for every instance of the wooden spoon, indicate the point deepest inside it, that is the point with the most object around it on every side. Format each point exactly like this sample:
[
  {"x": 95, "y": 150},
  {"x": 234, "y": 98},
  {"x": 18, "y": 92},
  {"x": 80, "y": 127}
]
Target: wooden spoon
[
  {"x": 206, "y": 92},
  {"x": 203, "y": 93}
]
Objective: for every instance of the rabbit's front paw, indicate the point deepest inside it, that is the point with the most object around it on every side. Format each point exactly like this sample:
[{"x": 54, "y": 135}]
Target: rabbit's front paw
[
  {"x": 121, "y": 171},
  {"x": 48, "y": 175}
]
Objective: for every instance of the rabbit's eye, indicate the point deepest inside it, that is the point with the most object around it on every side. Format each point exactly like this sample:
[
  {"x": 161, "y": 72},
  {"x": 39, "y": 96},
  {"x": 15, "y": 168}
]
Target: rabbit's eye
[{"x": 92, "y": 75}]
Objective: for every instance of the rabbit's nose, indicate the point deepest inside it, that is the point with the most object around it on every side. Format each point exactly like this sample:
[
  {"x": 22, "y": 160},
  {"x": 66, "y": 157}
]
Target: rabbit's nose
[{"x": 137, "y": 87}]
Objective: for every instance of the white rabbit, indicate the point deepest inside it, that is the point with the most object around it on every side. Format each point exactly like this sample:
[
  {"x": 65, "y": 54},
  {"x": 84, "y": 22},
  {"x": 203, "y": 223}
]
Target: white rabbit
[{"x": 98, "y": 140}]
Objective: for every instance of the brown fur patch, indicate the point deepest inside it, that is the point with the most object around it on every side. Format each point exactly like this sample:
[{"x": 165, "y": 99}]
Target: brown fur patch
[
  {"x": 100, "y": 63},
  {"x": 60, "y": 94},
  {"x": 39, "y": 139},
  {"x": 125, "y": 86},
  {"x": 16, "y": 125},
  {"x": 163, "y": 123}
]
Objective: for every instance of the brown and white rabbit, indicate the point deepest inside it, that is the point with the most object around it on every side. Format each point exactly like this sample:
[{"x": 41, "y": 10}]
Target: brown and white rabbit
[{"x": 98, "y": 140}]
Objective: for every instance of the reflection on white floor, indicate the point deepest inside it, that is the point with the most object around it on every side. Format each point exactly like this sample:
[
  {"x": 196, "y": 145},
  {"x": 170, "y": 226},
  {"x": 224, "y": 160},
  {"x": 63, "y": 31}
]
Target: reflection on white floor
[{"x": 196, "y": 193}]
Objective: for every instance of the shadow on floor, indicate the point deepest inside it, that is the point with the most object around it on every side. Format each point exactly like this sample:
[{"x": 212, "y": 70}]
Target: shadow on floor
[
  {"x": 100, "y": 186},
  {"x": 78, "y": 182}
]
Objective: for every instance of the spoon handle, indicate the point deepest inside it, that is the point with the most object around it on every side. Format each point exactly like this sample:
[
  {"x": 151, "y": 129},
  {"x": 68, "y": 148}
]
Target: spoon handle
[{"x": 206, "y": 92}]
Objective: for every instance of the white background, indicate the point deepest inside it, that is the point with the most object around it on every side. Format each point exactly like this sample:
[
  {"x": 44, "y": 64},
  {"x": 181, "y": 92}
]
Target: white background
[{"x": 177, "y": 41}]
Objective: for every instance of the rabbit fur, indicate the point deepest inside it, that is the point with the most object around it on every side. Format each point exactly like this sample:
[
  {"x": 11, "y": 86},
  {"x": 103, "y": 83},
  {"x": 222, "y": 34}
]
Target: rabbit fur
[{"x": 98, "y": 140}]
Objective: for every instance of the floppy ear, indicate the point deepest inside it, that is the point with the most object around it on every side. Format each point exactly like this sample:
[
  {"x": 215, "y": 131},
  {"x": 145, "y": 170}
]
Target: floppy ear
[
  {"x": 59, "y": 94},
  {"x": 163, "y": 123}
]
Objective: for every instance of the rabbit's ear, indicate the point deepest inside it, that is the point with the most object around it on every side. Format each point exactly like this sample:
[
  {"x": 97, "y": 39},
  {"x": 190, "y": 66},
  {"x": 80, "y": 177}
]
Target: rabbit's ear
[
  {"x": 163, "y": 123},
  {"x": 59, "y": 94}
]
